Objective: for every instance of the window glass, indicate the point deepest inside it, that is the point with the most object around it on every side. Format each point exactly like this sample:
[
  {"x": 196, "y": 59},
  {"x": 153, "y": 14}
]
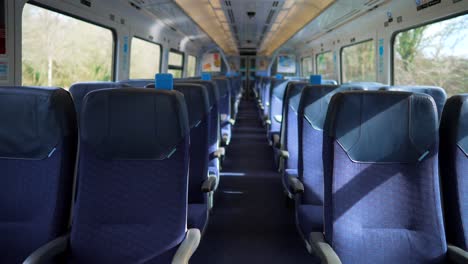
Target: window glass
[
  {"x": 191, "y": 66},
  {"x": 176, "y": 59},
  {"x": 433, "y": 54},
  {"x": 307, "y": 67},
  {"x": 145, "y": 59},
  {"x": 58, "y": 50},
  {"x": 176, "y": 64},
  {"x": 325, "y": 65},
  {"x": 358, "y": 62}
]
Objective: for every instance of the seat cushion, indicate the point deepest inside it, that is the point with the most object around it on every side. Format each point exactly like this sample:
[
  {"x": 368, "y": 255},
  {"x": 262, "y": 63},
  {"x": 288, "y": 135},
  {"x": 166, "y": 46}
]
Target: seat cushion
[
  {"x": 197, "y": 216},
  {"x": 310, "y": 219}
]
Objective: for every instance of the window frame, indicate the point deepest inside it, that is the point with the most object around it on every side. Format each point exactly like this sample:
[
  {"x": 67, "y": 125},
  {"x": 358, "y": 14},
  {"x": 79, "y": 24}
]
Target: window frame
[
  {"x": 196, "y": 66},
  {"x": 83, "y": 19},
  {"x": 302, "y": 64},
  {"x": 147, "y": 40},
  {"x": 174, "y": 67},
  {"x": 354, "y": 44},
  {"x": 396, "y": 32},
  {"x": 316, "y": 60}
]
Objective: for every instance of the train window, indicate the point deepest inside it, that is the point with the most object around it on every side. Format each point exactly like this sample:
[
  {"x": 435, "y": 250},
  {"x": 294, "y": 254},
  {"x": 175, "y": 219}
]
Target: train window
[
  {"x": 325, "y": 65},
  {"x": 145, "y": 59},
  {"x": 59, "y": 50},
  {"x": 433, "y": 54},
  {"x": 358, "y": 62},
  {"x": 176, "y": 63},
  {"x": 191, "y": 66},
  {"x": 307, "y": 66}
]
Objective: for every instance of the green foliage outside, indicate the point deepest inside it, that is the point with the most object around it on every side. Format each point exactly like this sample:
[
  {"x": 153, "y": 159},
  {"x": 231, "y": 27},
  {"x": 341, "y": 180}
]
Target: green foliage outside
[
  {"x": 359, "y": 62},
  {"x": 58, "y": 50},
  {"x": 434, "y": 55},
  {"x": 326, "y": 66}
]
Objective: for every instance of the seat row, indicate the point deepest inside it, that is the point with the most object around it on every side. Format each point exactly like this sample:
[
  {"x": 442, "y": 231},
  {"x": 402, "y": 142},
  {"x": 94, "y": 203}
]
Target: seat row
[
  {"x": 147, "y": 164},
  {"x": 363, "y": 169}
]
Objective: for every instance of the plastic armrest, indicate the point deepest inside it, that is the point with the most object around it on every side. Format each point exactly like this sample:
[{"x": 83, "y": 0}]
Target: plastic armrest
[
  {"x": 284, "y": 154},
  {"x": 322, "y": 249},
  {"x": 47, "y": 252},
  {"x": 296, "y": 185},
  {"x": 187, "y": 247},
  {"x": 457, "y": 255},
  {"x": 232, "y": 121},
  {"x": 276, "y": 141},
  {"x": 278, "y": 118},
  {"x": 209, "y": 184},
  {"x": 220, "y": 152}
]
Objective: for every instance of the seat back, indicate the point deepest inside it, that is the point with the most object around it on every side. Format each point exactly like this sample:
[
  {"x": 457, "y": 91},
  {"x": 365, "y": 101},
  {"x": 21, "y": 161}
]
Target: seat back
[
  {"x": 137, "y": 83},
  {"x": 38, "y": 137},
  {"x": 224, "y": 87},
  {"x": 131, "y": 203},
  {"x": 312, "y": 110},
  {"x": 438, "y": 94},
  {"x": 381, "y": 178},
  {"x": 454, "y": 167},
  {"x": 198, "y": 107},
  {"x": 276, "y": 106},
  {"x": 214, "y": 119},
  {"x": 80, "y": 90}
]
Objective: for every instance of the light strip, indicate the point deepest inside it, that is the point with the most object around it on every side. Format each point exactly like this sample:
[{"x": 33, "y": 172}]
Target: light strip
[
  {"x": 211, "y": 18},
  {"x": 292, "y": 17}
]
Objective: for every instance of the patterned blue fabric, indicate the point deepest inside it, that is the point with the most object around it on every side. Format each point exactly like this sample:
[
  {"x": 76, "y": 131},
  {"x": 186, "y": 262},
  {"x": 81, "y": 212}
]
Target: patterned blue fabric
[
  {"x": 35, "y": 190},
  {"x": 454, "y": 167},
  {"x": 309, "y": 219},
  {"x": 137, "y": 83},
  {"x": 197, "y": 216},
  {"x": 131, "y": 210},
  {"x": 382, "y": 212}
]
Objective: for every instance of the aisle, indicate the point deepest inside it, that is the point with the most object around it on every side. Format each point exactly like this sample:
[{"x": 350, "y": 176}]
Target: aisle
[{"x": 250, "y": 223}]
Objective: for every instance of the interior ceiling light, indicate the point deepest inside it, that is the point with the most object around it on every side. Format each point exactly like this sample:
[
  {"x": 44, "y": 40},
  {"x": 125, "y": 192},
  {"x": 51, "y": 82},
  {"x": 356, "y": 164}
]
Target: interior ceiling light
[
  {"x": 292, "y": 17},
  {"x": 209, "y": 16}
]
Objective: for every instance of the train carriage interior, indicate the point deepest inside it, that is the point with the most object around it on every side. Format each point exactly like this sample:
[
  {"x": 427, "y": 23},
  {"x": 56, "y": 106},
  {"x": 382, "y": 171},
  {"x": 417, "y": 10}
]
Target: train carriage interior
[{"x": 234, "y": 131}]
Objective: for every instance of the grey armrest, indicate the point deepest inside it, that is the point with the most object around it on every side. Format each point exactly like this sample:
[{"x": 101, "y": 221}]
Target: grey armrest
[
  {"x": 457, "y": 255},
  {"x": 187, "y": 247},
  {"x": 219, "y": 153},
  {"x": 47, "y": 252},
  {"x": 322, "y": 249},
  {"x": 232, "y": 121},
  {"x": 284, "y": 154},
  {"x": 209, "y": 184},
  {"x": 268, "y": 121},
  {"x": 278, "y": 118},
  {"x": 276, "y": 141},
  {"x": 296, "y": 185}
]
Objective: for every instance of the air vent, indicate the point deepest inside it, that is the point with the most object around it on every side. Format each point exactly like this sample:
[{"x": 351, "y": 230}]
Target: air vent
[
  {"x": 228, "y": 3},
  {"x": 275, "y": 4},
  {"x": 342, "y": 19},
  {"x": 372, "y": 2},
  {"x": 137, "y": 7},
  {"x": 234, "y": 29},
  {"x": 86, "y": 3},
  {"x": 270, "y": 16},
  {"x": 173, "y": 29},
  {"x": 265, "y": 28},
  {"x": 231, "y": 16}
]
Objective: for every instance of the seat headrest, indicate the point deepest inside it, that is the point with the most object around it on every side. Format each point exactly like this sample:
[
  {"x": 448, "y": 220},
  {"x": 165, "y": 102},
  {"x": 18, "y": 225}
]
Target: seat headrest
[
  {"x": 79, "y": 90},
  {"x": 196, "y": 98},
  {"x": 278, "y": 90},
  {"x": 454, "y": 123},
  {"x": 383, "y": 127},
  {"x": 34, "y": 120},
  {"x": 137, "y": 83},
  {"x": 293, "y": 94},
  {"x": 314, "y": 103},
  {"x": 136, "y": 124},
  {"x": 213, "y": 93},
  {"x": 364, "y": 86},
  {"x": 438, "y": 94}
]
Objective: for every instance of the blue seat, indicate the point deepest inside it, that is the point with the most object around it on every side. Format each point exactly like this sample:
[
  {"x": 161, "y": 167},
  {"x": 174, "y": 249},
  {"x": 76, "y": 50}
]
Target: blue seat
[
  {"x": 304, "y": 178},
  {"x": 38, "y": 138},
  {"x": 276, "y": 111},
  {"x": 438, "y": 94},
  {"x": 216, "y": 153},
  {"x": 289, "y": 134},
  {"x": 201, "y": 184},
  {"x": 381, "y": 188},
  {"x": 80, "y": 90},
  {"x": 226, "y": 122},
  {"x": 454, "y": 168},
  {"x": 138, "y": 83},
  {"x": 131, "y": 202}
]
